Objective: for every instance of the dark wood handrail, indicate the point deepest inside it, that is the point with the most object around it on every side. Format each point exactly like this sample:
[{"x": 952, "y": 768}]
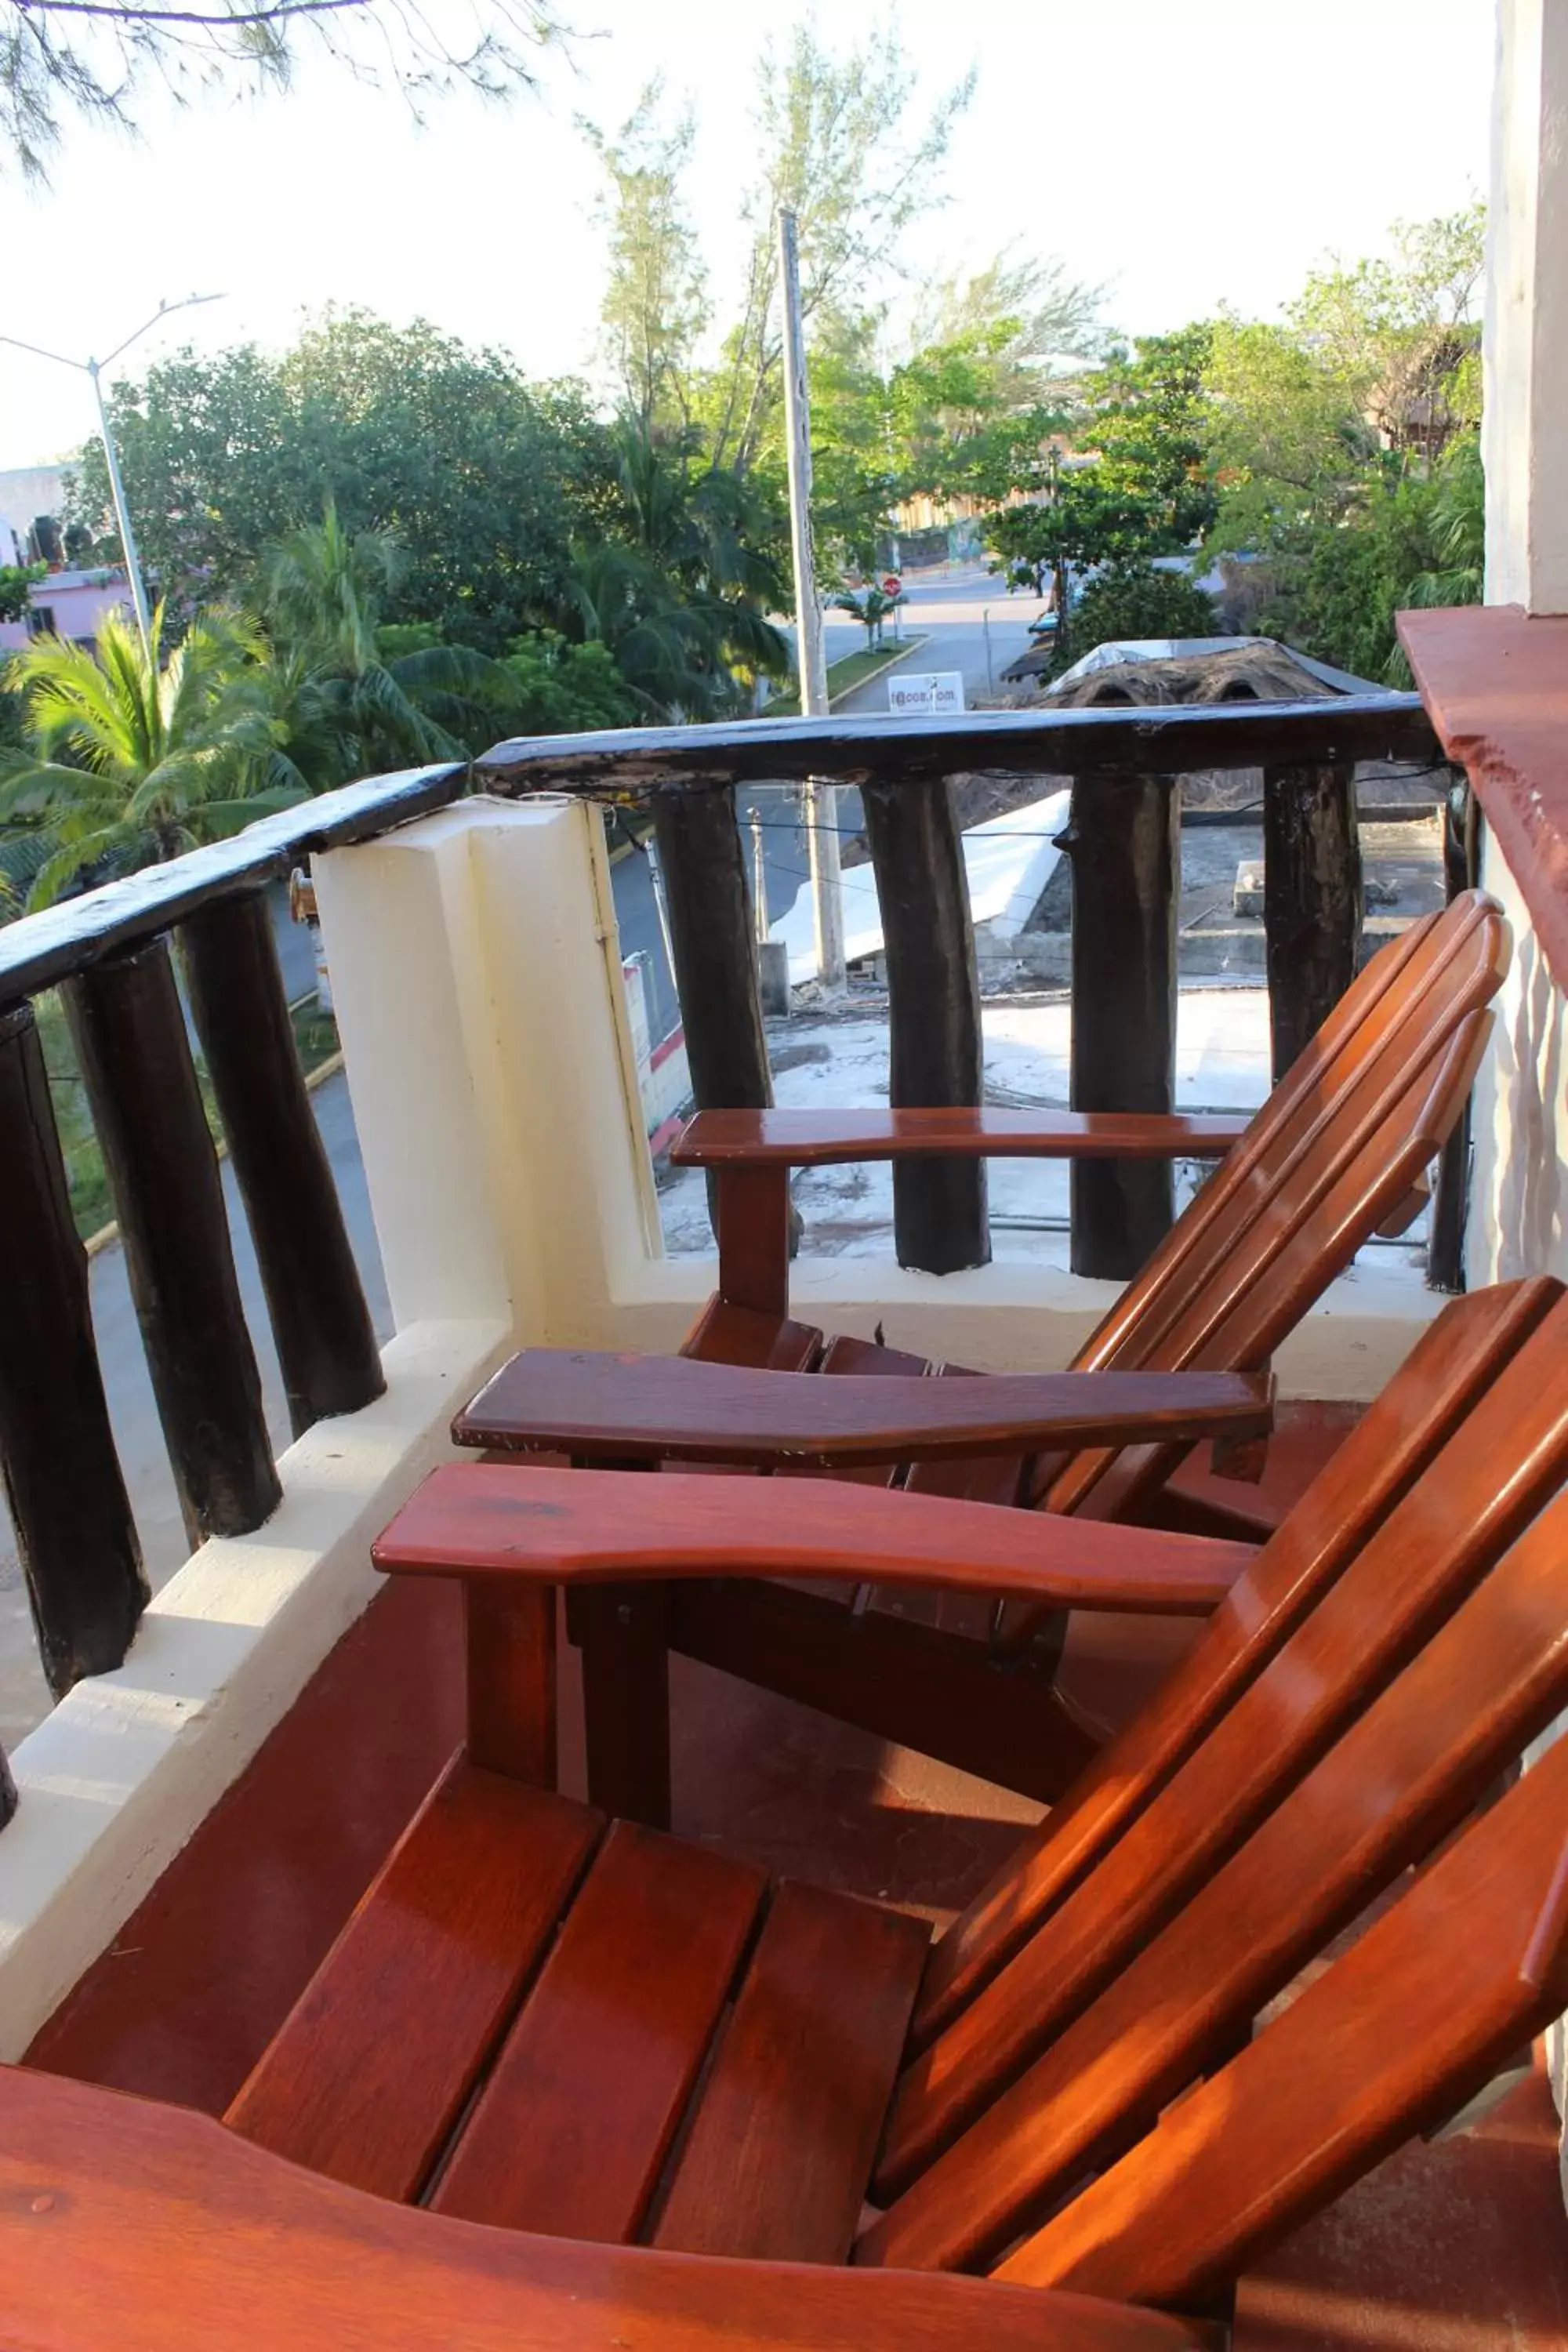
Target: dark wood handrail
[
  {"x": 1172, "y": 738},
  {"x": 39, "y": 950}
]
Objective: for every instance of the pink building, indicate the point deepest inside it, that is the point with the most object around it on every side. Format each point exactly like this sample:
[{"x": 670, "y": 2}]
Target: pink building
[{"x": 70, "y": 603}]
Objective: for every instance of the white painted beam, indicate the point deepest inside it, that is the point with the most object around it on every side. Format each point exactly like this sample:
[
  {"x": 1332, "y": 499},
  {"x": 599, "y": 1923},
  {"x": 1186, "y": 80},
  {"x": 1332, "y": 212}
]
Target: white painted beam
[{"x": 1525, "y": 425}]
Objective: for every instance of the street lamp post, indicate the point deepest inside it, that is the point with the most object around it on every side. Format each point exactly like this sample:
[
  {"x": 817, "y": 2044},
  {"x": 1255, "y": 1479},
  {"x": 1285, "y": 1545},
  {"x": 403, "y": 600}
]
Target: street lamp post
[{"x": 93, "y": 371}]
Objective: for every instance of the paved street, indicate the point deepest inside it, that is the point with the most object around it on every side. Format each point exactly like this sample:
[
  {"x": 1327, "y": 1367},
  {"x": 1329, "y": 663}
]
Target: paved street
[{"x": 957, "y": 611}]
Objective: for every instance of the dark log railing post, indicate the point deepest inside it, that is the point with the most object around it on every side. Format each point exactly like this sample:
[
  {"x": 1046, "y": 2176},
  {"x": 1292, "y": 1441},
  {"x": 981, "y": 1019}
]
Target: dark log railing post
[
  {"x": 1124, "y": 835},
  {"x": 1451, "y": 1196},
  {"x": 74, "y": 1528},
  {"x": 141, "y": 1081},
  {"x": 935, "y": 1056},
  {"x": 326, "y": 1343},
  {"x": 713, "y": 946},
  {"x": 1312, "y": 900},
  {"x": 711, "y": 940}
]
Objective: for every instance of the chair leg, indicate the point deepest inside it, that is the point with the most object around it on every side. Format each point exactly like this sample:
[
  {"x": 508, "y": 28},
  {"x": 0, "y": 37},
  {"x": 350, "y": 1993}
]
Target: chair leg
[
  {"x": 622, "y": 1630},
  {"x": 509, "y": 1636}
]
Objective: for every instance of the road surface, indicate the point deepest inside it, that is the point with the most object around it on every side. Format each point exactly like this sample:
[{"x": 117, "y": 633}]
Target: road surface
[{"x": 956, "y": 613}]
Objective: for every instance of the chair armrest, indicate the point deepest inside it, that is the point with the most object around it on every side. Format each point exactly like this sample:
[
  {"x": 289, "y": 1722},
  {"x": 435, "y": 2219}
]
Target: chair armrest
[
  {"x": 824, "y": 1138},
  {"x": 485, "y": 1519},
  {"x": 129, "y": 2223},
  {"x": 623, "y": 1409}
]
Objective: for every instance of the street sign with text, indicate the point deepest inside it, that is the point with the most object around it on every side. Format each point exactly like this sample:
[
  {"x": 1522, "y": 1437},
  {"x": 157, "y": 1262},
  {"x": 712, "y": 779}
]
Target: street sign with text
[{"x": 935, "y": 694}]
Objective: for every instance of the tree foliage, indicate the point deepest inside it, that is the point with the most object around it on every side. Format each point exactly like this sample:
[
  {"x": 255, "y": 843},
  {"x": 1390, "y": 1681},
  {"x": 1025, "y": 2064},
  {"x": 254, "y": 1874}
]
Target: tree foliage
[
  {"x": 655, "y": 303},
  {"x": 94, "y": 58},
  {"x": 844, "y": 145},
  {"x": 136, "y": 754},
  {"x": 1130, "y": 598},
  {"x": 484, "y": 479},
  {"x": 17, "y": 581},
  {"x": 1346, "y": 445}
]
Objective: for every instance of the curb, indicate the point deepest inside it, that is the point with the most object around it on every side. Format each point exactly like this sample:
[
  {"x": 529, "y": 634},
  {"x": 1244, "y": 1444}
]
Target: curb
[{"x": 901, "y": 653}]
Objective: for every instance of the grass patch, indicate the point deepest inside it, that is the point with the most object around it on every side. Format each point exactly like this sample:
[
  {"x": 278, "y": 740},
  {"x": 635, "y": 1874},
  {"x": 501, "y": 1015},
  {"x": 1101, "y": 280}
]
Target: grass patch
[
  {"x": 844, "y": 676},
  {"x": 92, "y": 1202}
]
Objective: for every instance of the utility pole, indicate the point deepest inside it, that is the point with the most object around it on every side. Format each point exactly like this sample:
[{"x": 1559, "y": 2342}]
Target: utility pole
[
  {"x": 819, "y": 798},
  {"x": 123, "y": 514},
  {"x": 93, "y": 371}
]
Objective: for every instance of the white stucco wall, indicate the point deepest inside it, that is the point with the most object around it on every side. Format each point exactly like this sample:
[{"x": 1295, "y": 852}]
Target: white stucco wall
[{"x": 1526, "y": 413}]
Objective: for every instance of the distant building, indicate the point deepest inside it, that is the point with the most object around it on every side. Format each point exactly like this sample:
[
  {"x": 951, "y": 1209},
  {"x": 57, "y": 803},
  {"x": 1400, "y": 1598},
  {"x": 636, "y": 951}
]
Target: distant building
[{"x": 74, "y": 599}]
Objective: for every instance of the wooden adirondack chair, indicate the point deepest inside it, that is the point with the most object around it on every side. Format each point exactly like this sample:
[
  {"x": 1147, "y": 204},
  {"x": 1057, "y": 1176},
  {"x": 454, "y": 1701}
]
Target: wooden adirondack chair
[
  {"x": 543, "y": 2023},
  {"x": 1336, "y": 1153}
]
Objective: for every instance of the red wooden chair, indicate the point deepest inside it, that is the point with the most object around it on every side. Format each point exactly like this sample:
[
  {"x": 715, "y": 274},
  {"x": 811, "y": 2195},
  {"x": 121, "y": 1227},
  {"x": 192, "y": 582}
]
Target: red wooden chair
[
  {"x": 549, "y": 2023},
  {"x": 1336, "y": 1153}
]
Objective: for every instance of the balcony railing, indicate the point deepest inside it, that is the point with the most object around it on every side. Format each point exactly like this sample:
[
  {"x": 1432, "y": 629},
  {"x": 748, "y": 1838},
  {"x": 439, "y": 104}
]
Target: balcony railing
[
  {"x": 109, "y": 954},
  {"x": 1123, "y": 841}
]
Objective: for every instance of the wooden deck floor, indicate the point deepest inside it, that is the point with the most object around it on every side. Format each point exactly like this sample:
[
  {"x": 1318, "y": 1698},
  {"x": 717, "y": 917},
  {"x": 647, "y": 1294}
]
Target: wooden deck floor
[{"x": 1460, "y": 2246}]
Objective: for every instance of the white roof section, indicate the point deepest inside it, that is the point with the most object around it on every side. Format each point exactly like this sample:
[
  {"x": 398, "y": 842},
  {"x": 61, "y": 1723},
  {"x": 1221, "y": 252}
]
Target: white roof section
[
  {"x": 1147, "y": 649},
  {"x": 1008, "y": 862}
]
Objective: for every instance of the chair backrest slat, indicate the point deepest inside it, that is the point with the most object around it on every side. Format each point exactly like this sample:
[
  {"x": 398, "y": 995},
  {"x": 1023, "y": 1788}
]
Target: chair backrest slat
[
  {"x": 1498, "y": 1469},
  {"x": 1387, "y": 1017},
  {"x": 1422, "y": 1755},
  {"x": 1267, "y": 1287},
  {"x": 1336, "y": 1148},
  {"x": 1451, "y": 1367},
  {"x": 1394, "y": 2037}
]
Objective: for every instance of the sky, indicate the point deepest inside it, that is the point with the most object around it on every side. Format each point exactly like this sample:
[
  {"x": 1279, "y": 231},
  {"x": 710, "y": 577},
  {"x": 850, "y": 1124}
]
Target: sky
[{"x": 1187, "y": 152}]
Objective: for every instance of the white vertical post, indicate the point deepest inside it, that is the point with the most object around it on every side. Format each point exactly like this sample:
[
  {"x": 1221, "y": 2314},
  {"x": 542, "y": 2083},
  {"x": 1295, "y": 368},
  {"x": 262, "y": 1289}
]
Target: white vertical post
[
  {"x": 122, "y": 516},
  {"x": 820, "y": 800},
  {"x": 1526, "y": 347}
]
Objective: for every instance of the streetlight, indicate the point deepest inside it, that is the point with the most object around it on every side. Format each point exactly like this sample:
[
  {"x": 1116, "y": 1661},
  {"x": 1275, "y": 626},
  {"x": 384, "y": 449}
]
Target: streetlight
[{"x": 93, "y": 369}]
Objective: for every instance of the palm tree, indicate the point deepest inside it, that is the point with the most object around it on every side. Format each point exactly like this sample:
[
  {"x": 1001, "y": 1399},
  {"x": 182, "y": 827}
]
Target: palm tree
[
  {"x": 1457, "y": 529},
  {"x": 679, "y": 594},
  {"x": 132, "y": 758},
  {"x": 346, "y": 708}
]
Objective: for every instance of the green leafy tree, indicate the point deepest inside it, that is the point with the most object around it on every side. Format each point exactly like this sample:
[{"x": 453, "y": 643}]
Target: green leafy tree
[
  {"x": 843, "y": 149},
  {"x": 133, "y": 757},
  {"x": 555, "y": 687},
  {"x": 60, "y": 57},
  {"x": 1346, "y": 446},
  {"x": 1400, "y": 331},
  {"x": 1132, "y": 599},
  {"x": 345, "y": 706},
  {"x": 17, "y": 584},
  {"x": 870, "y": 606},
  {"x": 484, "y": 479},
  {"x": 654, "y": 306},
  {"x": 1145, "y": 414},
  {"x": 1085, "y": 521},
  {"x": 1456, "y": 530},
  {"x": 677, "y": 590}
]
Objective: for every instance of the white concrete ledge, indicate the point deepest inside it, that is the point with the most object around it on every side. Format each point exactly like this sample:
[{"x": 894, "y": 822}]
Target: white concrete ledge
[
  {"x": 1011, "y": 1318},
  {"x": 114, "y": 1781}
]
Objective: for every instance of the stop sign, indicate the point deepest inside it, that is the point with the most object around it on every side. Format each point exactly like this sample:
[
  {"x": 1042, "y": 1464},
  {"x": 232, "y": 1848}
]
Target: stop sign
[{"x": 891, "y": 585}]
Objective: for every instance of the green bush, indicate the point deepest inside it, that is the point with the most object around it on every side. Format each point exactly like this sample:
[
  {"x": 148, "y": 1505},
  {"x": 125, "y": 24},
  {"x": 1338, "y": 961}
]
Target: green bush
[
  {"x": 558, "y": 688},
  {"x": 1134, "y": 600}
]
